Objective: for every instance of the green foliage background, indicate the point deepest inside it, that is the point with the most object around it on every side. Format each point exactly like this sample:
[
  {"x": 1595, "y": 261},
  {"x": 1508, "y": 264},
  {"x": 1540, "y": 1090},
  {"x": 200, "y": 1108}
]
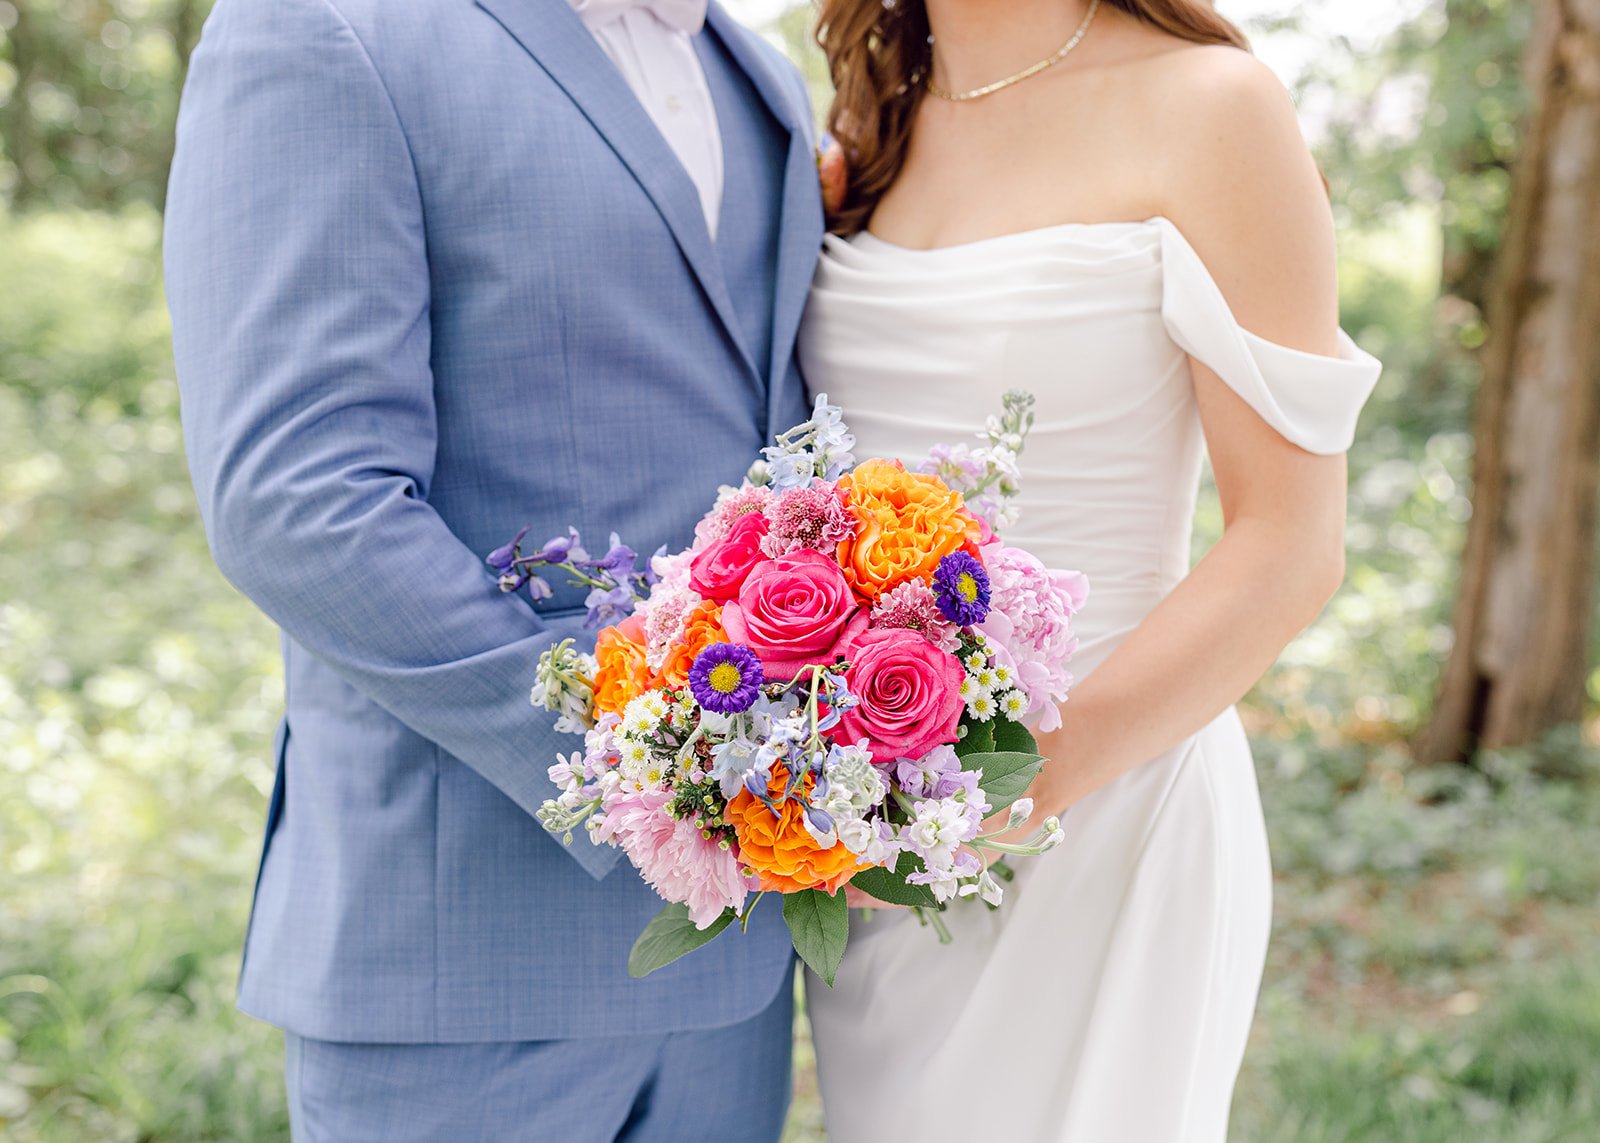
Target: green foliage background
[{"x": 1433, "y": 971}]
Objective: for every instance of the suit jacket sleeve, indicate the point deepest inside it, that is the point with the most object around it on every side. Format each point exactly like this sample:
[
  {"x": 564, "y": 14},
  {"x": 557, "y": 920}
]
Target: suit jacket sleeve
[{"x": 298, "y": 279}]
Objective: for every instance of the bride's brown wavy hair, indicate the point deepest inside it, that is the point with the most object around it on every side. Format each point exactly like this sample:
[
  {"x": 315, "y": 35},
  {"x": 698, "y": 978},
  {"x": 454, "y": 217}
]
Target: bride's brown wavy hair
[{"x": 879, "y": 55}]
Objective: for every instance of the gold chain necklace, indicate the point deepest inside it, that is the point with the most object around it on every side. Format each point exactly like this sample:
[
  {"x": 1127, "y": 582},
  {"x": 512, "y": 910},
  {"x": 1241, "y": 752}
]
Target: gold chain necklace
[{"x": 1026, "y": 73}]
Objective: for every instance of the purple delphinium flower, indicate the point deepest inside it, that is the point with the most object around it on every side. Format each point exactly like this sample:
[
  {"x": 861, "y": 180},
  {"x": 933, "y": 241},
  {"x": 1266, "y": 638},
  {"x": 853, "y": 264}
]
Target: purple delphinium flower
[
  {"x": 618, "y": 558},
  {"x": 609, "y": 605},
  {"x": 562, "y": 548},
  {"x": 726, "y": 678},
  {"x": 503, "y": 558},
  {"x": 962, "y": 588}
]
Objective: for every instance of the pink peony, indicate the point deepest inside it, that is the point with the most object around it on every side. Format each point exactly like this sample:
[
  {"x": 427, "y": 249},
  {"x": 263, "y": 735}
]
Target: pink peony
[
  {"x": 720, "y": 570},
  {"x": 794, "y": 612},
  {"x": 909, "y": 695},
  {"x": 671, "y": 855},
  {"x": 813, "y": 517},
  {"x": 731, "y": 504},
  {"x": 1030, "y": 626}
]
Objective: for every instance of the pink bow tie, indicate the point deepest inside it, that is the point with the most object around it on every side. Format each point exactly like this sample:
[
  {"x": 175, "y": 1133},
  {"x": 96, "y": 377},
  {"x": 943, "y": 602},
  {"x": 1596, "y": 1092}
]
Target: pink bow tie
[{"x": 685, "y": 15}]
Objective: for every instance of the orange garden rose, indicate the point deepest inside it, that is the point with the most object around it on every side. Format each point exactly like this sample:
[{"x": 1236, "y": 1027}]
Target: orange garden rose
[
  {"x": 703, "y": 628},
  {"x": 906, "y": 523},
  {"x": 780, "y": 852},
  {"x": 623, "y": 674}
]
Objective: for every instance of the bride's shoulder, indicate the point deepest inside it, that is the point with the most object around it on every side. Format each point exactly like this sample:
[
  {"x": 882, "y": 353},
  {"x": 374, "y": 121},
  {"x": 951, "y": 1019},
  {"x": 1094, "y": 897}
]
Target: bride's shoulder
[
  {"x": 1218, "y": 94},
  {"x": 1235, "y": 175}
]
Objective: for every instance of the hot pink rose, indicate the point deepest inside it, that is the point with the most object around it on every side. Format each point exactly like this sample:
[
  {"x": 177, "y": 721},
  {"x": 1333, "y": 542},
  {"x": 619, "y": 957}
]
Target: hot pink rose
[
  {"x": 909, "y": 692},
  {"x": 719, "y": 572},
  {"x": 794, "y": 611}
]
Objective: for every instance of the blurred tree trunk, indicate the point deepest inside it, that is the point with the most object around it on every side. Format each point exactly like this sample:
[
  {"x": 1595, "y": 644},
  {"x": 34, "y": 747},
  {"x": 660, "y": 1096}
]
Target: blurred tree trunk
[
  {"x": 1520, "y": 658},
  {"x": 186, "y": 21}
]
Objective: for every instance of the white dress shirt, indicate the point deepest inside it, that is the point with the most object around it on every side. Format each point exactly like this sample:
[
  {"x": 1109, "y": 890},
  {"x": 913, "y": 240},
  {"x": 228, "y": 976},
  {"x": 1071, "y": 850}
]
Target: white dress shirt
[{"x": 649, "y": 41}]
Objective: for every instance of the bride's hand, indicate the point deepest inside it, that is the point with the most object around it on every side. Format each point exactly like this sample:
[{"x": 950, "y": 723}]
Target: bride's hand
[{"x": 1053, "y": 792}]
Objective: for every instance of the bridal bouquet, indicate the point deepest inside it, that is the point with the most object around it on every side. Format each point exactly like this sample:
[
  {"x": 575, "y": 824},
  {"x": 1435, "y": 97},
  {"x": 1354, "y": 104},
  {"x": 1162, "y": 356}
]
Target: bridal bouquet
[{"x": 829, "y": 687}]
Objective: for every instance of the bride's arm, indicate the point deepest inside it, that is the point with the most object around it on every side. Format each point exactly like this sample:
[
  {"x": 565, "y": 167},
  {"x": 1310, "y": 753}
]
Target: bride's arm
[{"x": 1252, "y": 205}]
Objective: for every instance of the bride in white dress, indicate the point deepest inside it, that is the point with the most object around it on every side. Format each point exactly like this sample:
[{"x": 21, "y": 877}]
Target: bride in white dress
[{"x": 1137, "y": 235}]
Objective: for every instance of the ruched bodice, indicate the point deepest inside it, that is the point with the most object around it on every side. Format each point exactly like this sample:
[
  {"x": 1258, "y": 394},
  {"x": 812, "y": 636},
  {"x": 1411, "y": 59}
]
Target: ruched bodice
[
  {"x": 1098, "y": 322},
  {"x": 1119, "y": 979}
]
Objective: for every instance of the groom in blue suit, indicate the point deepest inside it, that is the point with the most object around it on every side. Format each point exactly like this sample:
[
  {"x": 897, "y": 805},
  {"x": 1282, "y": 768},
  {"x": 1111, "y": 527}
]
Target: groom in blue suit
[{"x": 438, "y": 268}]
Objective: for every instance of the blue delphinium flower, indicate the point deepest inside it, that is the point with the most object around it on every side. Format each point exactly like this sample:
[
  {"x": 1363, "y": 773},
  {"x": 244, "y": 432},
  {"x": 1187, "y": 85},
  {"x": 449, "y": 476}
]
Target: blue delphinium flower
[
  {"x": 726, "y": 678},
  {"x": 619, "y": 558},
  {"x": 961, "y": 588},
  {"x": 504, "y": 558},
  {"x": 560, "y": 549}
]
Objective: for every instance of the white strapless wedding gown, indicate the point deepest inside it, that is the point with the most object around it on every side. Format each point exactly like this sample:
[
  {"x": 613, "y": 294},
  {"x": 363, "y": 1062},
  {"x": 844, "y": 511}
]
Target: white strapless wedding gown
[{"x": 1109, "y": 999}]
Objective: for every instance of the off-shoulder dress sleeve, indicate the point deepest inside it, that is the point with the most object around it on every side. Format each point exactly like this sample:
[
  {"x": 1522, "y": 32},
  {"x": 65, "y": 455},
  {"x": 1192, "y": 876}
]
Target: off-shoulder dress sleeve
[{"x": 1311, "y": 400}]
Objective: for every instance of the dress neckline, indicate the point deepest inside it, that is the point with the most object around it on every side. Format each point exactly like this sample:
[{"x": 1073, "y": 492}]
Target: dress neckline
[{"x": 1037, "y": 232}]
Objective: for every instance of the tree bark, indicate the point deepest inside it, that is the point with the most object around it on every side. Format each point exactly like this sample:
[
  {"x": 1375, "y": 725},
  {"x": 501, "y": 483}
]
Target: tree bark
[
  {"x": 186, "y": 20},
  {"x": 1519, "y": 663}
]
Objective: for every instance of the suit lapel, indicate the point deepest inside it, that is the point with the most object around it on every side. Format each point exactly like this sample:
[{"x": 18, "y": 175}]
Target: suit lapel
[
  {"x": 551, "y": 32},
  {"x": 800, "y": 223}
]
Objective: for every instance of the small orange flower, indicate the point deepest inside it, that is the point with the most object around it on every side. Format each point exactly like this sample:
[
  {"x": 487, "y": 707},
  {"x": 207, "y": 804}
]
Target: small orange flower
[
  {"x": 623, "y": 674},
  {"x": 906, "y": 523},
  {"x": 703, "y": 628},
  {"x": 784, "y": 857}
]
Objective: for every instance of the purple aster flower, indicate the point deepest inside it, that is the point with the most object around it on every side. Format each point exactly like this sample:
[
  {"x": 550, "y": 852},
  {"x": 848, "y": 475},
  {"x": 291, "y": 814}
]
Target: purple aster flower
[
  {"x": 962, "y": 588},
  {"x": 726, "y": 678}
]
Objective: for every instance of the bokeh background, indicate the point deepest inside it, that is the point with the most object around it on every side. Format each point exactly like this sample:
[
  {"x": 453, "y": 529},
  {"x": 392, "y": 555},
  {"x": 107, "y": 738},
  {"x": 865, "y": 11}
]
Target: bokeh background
[{"x": 1435, "y": 967}]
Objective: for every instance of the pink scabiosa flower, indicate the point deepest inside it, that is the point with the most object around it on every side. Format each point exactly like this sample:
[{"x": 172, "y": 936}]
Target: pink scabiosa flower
[
  {"x": 914, "y": 607},
  {"x": 812, "y": 518},
  {"x": 731, "y": 504},
  {"x": 1030, "y": 626},
  {"x": 671, "y": 855},
  {"x": 667, "y": 609}
]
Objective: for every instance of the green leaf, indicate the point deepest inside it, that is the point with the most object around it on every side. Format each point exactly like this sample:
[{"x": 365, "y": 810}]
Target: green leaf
[
  {"x": 1013, "y": 737},
  {"x": 979, "y": 738},
  {"x": 890, "y": 885},
  {"x": 1006, "y": 775},
  {"x": 820, "y": 926},
  {"x": 670, "y": 935}
]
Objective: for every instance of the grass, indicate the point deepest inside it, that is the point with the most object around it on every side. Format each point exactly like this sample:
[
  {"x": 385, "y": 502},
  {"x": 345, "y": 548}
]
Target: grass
[{"x": 1433, "y": 972}]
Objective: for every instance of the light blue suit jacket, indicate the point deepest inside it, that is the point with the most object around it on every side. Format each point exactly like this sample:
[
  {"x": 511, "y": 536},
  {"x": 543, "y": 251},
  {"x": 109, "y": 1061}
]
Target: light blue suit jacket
[{"x": 434, "y": 274}]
